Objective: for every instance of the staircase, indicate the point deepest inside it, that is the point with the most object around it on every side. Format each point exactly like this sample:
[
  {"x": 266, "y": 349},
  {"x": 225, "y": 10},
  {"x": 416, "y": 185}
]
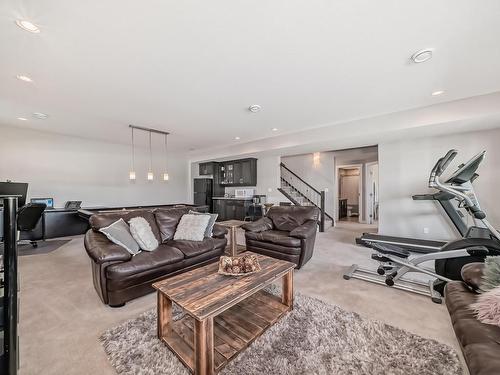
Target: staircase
[{"x": 301, "y": 193}]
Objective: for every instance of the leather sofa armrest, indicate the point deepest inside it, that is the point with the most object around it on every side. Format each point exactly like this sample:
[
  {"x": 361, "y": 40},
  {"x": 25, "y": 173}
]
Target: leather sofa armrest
[
  {"x": 306, "y": 230},
  {"x": 472, "y": 274},
  {"x": 101, "y": 250},
  {"x": 260, "y": 225},
  {"x": 219, "y": 231}
]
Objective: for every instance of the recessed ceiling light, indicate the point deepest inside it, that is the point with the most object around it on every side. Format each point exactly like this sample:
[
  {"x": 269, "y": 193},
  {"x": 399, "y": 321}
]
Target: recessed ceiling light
[
  {"x": 22, "y": 119},
  {"x": 436, "y": 93},
  {"x": 422, "y": 55},
  {"x": 24, "y": 78},
  {"x": 28, "y": 26},
  {"x": 40, "y": 115},
  {"x": 237, "y": 138},
  {"x": 274, "y": 129},
  {"x": 254, "y": 108}
]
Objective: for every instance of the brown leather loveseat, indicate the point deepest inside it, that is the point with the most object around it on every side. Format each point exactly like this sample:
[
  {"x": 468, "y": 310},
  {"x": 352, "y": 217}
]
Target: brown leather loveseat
[
  {"x": 120, "y": 277},
  {"x": 480, "y": 342},
  {"x": 286, "y": 232}
]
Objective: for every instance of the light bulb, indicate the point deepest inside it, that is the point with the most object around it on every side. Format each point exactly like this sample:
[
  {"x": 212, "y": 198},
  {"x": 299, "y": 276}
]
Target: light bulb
[
  {"x": 150, "y": 176},
  {"x": 165, "y": 176},
  {"x": 131, "y": 175}
]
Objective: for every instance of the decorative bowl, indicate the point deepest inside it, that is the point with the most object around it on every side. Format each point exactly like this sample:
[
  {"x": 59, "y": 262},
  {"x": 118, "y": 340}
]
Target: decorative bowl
[{"x": 239, "y": 265}]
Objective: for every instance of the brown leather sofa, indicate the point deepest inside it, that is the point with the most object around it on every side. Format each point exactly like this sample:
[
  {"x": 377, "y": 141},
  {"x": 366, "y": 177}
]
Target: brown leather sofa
[
  {"x": 120, "y": 277},
  {"x": 286, "y": 232},
  {"x": 480, "y": 342}
]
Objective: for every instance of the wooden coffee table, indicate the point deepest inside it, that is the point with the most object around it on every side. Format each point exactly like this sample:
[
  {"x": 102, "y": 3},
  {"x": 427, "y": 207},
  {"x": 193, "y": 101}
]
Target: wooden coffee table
[{"x": 224, "y": 314}]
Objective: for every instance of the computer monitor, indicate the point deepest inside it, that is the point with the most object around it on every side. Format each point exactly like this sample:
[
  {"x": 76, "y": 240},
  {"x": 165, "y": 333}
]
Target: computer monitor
[
  {"x": 49, "y": 202},
  {"x": 15, "y": 188}
]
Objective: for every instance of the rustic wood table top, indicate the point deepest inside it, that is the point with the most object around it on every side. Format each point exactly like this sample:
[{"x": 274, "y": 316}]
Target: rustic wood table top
[{"x": 204, "y": 293}]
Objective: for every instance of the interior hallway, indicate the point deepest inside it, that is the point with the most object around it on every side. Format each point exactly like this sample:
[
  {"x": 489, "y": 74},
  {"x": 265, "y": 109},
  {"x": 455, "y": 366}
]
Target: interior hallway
[{"x": 61, "y": 317}]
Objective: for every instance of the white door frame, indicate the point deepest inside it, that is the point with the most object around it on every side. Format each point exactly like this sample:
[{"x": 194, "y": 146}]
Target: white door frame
[
  {"x": 360, "y": 189},
  {"x": 368, "y": 189}
]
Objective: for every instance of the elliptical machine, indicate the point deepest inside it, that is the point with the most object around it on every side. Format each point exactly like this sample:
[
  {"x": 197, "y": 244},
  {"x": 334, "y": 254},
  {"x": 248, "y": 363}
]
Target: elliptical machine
[{"x": 483, "y": 240}]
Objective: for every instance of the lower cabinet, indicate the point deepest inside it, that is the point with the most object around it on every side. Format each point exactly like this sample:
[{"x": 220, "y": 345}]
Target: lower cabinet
[{"x": 231, "y": 209}]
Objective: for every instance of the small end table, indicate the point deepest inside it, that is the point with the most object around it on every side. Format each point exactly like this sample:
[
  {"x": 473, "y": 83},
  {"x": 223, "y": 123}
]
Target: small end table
[{"x": 232, "y": 225}]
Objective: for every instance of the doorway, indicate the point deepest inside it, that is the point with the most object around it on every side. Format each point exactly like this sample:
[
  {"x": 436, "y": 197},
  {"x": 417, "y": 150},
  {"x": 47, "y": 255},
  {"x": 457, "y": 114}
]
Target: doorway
[
  {"x": 350, "y": 182},
  {"x": 372, "y": 192}
]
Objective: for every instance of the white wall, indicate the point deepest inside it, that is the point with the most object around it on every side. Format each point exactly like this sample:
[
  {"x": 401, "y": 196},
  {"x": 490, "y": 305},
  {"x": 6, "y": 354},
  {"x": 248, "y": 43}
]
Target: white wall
[
  {"x": 404, "y": 168},
  {"x": 96, "y": 172}
]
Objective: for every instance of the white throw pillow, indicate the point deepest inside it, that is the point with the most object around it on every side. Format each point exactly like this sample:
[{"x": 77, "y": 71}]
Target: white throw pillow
[
  {"x": 192, "y": 227},
  {"x": 142, "y": 233}
]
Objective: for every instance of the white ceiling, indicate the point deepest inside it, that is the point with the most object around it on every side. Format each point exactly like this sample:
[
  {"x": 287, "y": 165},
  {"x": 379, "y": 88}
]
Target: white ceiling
[{"x": 193, "y": 67}]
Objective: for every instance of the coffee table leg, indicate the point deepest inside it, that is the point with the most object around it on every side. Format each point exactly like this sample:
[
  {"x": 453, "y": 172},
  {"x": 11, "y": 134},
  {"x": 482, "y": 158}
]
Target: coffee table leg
[
  {"x": 164, "y": 324},
  {"x": 204, "y": 347},
  {"x": 287, "y": 289},
  {"x": 234, "y": 245}
]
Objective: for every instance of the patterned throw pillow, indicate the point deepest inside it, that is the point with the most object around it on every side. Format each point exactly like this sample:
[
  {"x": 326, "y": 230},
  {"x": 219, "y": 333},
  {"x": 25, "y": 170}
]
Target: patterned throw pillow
[
  {"x": 143, "y": 234},
  {"x": 119, "y": 233},
  {"x": 487, "y": 307},
  {"x": 192, "y": 227},
  {"x": 491, "y": 273}
]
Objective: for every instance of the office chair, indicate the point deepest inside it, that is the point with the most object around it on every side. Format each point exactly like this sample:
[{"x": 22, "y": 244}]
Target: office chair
[{"x": 28, "y": 217}]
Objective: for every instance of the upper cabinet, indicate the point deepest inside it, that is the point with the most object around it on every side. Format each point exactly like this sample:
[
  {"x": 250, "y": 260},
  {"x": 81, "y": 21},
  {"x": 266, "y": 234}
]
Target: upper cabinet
[
  {"x": 241, "y": 172},
  {"x": 207, "y": 169}
]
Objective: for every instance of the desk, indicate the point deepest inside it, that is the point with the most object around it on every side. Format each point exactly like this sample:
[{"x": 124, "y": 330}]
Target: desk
[{"x": 57, "y": 222}]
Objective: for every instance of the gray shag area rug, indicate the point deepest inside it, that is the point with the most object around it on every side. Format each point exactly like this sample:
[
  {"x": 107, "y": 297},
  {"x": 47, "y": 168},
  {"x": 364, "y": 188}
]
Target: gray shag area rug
[{"x": 315, "y": 338}]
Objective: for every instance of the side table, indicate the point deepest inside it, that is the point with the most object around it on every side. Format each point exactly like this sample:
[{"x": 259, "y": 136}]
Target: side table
[{"x": 232, "y": 225}]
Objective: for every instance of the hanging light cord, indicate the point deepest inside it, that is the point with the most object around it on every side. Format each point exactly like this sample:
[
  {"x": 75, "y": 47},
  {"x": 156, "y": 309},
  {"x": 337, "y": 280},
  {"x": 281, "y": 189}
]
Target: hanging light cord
[
  {"x": 133, "y": 151},
  {"x": 150, "y": 154},
  {"x": 166, "y": 156}
]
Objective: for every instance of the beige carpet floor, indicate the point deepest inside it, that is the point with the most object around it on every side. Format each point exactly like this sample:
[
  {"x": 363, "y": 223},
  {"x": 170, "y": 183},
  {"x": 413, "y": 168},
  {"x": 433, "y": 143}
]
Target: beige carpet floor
[{"x": 61, "y": 317}]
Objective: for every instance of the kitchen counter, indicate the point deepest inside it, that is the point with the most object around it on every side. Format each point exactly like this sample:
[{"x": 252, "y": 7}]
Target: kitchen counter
[{"x": 234, "y": 198}]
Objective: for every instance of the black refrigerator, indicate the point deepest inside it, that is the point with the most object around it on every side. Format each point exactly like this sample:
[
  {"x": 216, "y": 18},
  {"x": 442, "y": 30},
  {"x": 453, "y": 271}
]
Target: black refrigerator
[{"x": 204, "y": 190}]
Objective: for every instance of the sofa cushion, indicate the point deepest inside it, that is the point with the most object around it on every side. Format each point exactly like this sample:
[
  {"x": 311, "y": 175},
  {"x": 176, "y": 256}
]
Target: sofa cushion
[
  {"x": 275, "y": 236},
  {"x": 288, "y": 218},
  {"x": 167, "y": 220},
  {"x": 194, "y": 248},
  {"x": 101, "y": 220},
  {"x": 274, "y": 247},
  {"x": 145, "y": 261}
]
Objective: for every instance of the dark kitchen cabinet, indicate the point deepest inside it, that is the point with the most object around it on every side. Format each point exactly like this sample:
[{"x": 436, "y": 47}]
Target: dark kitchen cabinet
[
  {"x": 238, "y": 172},
  {"x": 231, "y": 209},
  {"x": 207, "y": 169}
]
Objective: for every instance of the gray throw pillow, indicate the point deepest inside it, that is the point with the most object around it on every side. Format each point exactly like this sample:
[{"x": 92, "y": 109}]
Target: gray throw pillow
[
  {"x": 142, "y": 233},
  {"x": 211, "y": 222},
  {"x": 119, "y": 233},
  {"x": 192, "y": 227},
  {"x": 491, "y": 273}
]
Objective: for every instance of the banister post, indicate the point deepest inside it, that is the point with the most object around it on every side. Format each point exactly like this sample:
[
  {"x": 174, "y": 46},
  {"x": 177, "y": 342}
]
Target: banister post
[{"x": 322, "y": 207}]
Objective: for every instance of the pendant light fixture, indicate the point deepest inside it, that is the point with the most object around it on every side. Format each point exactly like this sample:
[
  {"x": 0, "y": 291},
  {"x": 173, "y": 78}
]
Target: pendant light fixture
[
  {"x": 165, "y": 174},
  {"x": 150, "y": 172},
  {"x": 150, "y": 175},
  {"x": 131, "y": 174}
]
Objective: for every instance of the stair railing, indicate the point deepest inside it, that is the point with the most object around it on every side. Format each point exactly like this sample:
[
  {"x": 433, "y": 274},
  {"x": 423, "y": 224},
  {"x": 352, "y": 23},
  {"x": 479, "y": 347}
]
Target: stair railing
[{"x": 309, "y": 196}]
